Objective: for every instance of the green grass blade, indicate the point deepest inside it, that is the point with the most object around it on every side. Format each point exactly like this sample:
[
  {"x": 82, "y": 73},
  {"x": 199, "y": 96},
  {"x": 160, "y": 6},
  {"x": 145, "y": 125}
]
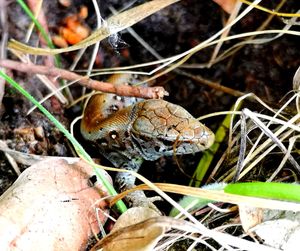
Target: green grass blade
[
  {"x": 40, "y": 28},
  {"x": 208, "y": 155},
  {"x": 79, "y": 149},
  {"x": 270, "y": 190}
]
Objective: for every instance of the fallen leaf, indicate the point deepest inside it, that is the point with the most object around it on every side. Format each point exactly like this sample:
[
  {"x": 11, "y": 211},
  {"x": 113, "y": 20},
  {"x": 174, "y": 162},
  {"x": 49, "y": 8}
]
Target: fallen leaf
[
  {"x": 226, "y": 5},
  {"x": 133, "y": 232},
  {"x": 277, "y": 228},
  {"x": 134, "y": 215},
  {"x": 283, "y": 234},
  {"x": 51, "y": 206}
]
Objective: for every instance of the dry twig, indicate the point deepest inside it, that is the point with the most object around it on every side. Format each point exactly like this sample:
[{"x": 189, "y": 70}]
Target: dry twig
[{"x": 122, "y": 90}]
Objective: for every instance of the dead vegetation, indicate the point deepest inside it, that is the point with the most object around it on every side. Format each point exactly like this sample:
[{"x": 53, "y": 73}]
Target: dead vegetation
[{"x": 241, "y": 62}]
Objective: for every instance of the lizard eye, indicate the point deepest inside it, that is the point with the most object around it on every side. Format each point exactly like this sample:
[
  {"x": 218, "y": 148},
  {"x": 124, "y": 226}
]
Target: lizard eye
[
  {"x": 118, "y": 98},
  {"x": 113, "y": 134}
]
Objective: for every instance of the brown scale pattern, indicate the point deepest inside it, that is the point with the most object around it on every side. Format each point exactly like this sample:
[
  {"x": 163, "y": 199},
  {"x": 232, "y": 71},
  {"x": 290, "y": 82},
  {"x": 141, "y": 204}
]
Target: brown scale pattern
[
  {"x": 150, "y": 124},
  {"x": 127, "y": 131}
]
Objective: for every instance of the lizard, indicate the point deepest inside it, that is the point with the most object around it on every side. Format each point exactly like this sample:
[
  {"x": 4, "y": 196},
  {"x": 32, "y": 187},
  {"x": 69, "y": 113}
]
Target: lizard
[{"x": 127, "y": 131}]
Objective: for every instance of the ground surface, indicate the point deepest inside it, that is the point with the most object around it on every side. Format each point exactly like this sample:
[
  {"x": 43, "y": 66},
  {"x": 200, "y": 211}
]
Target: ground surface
[{"x": 267, "y": 70}]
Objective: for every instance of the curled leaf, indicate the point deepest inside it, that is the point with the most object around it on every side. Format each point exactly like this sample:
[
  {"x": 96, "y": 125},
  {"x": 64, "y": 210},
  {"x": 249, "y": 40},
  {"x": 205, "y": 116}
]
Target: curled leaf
[{"x": 128, "y": 236}]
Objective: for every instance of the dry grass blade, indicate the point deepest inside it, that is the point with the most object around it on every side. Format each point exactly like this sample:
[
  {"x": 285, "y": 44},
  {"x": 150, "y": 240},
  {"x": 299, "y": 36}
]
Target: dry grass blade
[
  {"x": 147, "y": 230},
  {"x": 264, "y": 133},
  {"x": 44, "y": 79},
  {"x": 271, "y": 135},
  {"x": 296, "y": 80},
  {"x": 235, "y": 10},
  {"x": 163, "y": 222},
  {"x": 216, "y": 196},
  {"x": 250, "y": 40},
  {"x": 267, "y": 143},
  {"x": 113, "y": 25},
  {"x": 137, "y": 236},
  {"x": 292, "y": 142}
]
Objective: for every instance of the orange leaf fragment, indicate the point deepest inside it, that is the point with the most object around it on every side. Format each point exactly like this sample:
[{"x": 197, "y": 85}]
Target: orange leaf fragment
[{"x": 226, "y": 5}]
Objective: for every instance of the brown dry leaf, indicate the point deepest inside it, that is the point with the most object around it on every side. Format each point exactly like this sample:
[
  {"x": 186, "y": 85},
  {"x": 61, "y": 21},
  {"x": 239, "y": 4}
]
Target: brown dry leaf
[
  {"x": 51, "y": 206},
  {"x": 226, "y": 5},
  {"x": 134, "y": 232}
]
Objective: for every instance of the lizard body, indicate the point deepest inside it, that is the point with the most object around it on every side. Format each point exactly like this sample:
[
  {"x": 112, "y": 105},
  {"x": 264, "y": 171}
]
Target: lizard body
[{"x": 127, "y": 131}]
